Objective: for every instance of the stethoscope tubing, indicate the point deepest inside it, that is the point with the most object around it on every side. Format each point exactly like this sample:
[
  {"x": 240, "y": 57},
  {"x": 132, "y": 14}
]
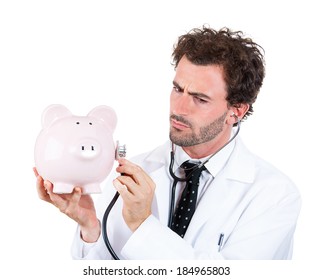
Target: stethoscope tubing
[
  {"x": 184, "y": 179},
  {"x": 172, "y": 203}
]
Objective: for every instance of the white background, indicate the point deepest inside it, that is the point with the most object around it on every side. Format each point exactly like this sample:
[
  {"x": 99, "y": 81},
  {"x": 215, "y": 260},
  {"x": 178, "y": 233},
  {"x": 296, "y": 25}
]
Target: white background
[{"x": 118, "y": 53}]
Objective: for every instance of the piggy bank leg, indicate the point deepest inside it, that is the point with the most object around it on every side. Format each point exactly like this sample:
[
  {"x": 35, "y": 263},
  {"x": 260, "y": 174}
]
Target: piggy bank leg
[
  {"x": 91, "y": 188},
  {"x": 62, "y": 188}
]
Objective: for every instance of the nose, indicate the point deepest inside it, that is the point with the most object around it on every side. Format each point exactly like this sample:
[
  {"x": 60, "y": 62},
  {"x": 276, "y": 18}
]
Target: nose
[
  {"x": 180, "y": 103},
  {"x": 87, "y": 149}
]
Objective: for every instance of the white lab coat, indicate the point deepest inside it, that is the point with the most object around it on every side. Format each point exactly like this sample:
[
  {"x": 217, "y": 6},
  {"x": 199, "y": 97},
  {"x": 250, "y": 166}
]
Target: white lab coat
[{"x": 253, "y": 204}]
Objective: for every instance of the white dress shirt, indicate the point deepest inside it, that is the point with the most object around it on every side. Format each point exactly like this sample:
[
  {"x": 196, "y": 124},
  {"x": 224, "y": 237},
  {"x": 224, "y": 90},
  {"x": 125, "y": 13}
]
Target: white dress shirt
[{"x": 214, "y": 165}]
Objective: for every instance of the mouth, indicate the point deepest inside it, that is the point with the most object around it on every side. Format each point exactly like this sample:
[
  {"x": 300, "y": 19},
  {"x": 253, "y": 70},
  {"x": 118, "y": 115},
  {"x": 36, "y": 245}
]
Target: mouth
[{"x": 179, "y": 123}]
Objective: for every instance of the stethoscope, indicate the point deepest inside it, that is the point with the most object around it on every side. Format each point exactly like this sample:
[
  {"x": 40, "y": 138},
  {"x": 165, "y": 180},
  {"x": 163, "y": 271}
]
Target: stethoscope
[
  {"x": 193, "y": 170},
  {"x": 121, "y": 152}
]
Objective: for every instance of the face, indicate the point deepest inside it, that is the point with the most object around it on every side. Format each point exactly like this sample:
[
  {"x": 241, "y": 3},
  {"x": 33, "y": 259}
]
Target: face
[{"x": 198, "y": 108}]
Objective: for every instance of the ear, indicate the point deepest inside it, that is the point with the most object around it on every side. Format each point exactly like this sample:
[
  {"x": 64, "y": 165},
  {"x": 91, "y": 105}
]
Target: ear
[
  {"x": 238, "y": 111},
  {"x": 105, "y": 114},
  {"x": 53, "y": 113}
]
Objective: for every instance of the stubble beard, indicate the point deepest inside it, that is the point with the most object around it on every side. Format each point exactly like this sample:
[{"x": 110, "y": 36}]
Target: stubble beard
[{"x": 206, "y": 133}]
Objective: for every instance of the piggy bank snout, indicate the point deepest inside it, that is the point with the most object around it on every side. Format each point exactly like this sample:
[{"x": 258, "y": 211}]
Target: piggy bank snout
[{"x": 87, "y": 149}]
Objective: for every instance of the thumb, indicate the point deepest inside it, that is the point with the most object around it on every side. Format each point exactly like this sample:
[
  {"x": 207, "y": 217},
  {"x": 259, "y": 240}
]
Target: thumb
[{"x": 76, "y": 194}]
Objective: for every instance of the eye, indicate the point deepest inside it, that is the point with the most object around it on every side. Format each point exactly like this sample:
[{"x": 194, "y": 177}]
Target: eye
[
  {"x": 77, "y": 122},
  {"x": 200, "y": 100},
  {"x": 177, "y": 89},
  {"x": 90, "y": 123}
]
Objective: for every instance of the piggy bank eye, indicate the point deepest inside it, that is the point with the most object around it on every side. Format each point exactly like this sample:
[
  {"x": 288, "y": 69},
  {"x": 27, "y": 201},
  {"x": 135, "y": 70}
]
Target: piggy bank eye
[
  {"x": 77, "y": 122},
  {"x": 90, "y": 123}
]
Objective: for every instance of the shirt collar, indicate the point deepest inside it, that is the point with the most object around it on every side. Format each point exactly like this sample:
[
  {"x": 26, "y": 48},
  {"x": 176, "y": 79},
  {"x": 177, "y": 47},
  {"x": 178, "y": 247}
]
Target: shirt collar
[{"x": 214, "y": 165}]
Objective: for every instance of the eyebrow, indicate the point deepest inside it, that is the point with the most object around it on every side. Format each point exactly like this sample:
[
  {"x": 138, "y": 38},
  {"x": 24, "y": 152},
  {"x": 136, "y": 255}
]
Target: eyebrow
[{"x": 196, "y": 94}]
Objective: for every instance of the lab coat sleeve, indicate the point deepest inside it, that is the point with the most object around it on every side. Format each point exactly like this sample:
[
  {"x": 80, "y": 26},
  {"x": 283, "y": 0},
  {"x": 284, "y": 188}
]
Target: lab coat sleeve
[{"x": 82, "y": 250}]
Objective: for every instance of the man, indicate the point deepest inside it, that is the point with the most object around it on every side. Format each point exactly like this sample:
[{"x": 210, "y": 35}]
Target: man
[{"x": 243, "y": 208}]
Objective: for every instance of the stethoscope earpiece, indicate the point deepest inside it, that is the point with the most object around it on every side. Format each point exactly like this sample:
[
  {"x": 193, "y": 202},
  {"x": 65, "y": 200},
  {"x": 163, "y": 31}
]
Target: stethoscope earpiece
[{"x": 236, "y": 117}]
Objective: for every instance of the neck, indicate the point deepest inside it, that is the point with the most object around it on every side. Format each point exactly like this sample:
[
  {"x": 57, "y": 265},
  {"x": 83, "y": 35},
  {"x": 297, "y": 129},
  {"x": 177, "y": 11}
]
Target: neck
[{"x": 208, "y": 148}]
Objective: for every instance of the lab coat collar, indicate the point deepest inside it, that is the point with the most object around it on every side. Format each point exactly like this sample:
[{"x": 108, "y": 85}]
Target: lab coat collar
[
  {"x": 238, "y": 163},
  {"x": 214, "y": 165}
]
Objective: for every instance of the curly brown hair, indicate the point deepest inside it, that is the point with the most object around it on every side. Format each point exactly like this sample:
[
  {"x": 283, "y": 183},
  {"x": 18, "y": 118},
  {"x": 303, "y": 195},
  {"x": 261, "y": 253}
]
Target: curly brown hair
[{"x": 241, "y": 59}]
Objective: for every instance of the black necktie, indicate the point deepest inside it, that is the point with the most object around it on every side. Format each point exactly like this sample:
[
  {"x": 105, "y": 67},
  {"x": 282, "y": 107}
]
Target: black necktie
[{"x": 187, "y": 203}]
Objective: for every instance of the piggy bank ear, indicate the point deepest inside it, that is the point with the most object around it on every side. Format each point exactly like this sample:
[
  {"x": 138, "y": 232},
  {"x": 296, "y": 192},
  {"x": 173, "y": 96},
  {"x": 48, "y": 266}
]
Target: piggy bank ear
[
  {"x": 53, "y": 113},
  {"x": 105, "y": 114}
]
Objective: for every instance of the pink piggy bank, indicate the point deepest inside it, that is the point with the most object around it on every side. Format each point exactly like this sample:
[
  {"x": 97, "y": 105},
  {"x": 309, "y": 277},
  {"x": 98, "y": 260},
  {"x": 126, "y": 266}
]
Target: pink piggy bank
[{"x": 74, "y": 150}]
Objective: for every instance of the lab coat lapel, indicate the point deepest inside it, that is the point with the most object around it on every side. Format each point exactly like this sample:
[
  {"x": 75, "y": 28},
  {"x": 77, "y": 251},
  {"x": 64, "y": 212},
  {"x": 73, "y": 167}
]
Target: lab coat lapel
[
  {"x": 210, "y": 206},
  {"x": 239, "y": 170},
  {"x": 160, "y": 204},
  {"x": 158, "y": 163}
]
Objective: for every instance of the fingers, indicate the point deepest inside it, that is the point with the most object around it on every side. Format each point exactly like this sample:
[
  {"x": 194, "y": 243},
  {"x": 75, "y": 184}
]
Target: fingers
[
  {"x": 76, "y": 195},
  {"x": 122, "y": 189},
  {"x": 35, "y": 171},
  {"x": 136, "y": 184},
  {"x": 139, "y": 176},
  {"x": 42, "y": 187},
  {"x": 65, "y": 203},
  {"x": 75, "y": 206},
  {"x": 137, "y": 190},
  {"x": 68, "y": 206},
  {"x": 56, "y": 199}
]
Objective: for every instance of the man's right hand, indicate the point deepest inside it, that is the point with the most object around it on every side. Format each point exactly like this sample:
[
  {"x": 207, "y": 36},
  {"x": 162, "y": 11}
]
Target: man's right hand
[{"x": 78, "y": 207}]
